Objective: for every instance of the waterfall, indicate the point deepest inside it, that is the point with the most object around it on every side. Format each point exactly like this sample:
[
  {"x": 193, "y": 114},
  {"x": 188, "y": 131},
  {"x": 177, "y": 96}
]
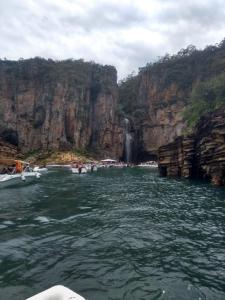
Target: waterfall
[{"x": 128, "y": 141}]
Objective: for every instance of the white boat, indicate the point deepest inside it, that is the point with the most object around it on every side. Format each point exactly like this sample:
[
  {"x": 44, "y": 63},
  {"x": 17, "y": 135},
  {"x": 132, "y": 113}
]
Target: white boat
[
  {"x": 120, "y": 165},
  {"x": 52, "y": 166},
  {"x": 13, "y": 175},
  {"x": 58, "y": 292},
  {"x": 148, "y": 164},
  {"x": 82, "y": 170},
  {"x": 40, "y": 170},
  {"x": 91, "y": 167}
]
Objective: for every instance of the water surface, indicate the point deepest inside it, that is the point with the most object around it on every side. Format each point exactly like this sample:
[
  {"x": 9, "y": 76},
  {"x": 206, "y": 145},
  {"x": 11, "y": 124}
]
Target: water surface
[{"x": 114, "y": 234}]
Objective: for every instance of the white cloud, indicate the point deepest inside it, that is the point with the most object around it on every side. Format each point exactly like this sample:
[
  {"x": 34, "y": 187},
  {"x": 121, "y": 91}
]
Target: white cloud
[{"x": 125, "y": 33}]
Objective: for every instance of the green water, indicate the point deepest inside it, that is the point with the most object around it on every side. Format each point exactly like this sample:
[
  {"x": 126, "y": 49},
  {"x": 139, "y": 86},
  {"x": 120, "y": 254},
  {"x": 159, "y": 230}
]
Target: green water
[{"x": 114, "y": 234}]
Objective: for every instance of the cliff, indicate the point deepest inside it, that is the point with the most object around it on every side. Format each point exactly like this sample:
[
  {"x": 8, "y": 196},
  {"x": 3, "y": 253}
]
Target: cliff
[
  {"x": 155, "y": 99},
  {"x": 74, "y": 105},
  {"x": 201, "y": 155},
  {"x": 176, "y": 158},
  {"x": 47, "y": 105},
  {"x": 7, "y": 150}
]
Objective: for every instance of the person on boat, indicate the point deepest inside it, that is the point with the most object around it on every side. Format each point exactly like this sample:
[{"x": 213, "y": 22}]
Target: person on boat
[
  {"x": 19, "y": 167},
  {"x": 80, "y": 166}
]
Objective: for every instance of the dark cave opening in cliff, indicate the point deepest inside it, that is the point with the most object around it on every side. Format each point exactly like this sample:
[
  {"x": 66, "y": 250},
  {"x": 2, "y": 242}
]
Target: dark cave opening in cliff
[
  {"x": 163, "y": 171},
  {"x": 139, "y": 156},
  {"x": 10, "y": 136},
  {"x": 144, "y": 156}
]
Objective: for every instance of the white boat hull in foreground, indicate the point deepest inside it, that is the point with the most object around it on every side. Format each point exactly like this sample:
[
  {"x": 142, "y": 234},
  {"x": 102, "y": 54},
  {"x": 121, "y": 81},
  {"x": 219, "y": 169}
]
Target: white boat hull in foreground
[
  {"x": 7, "y": 179},
  {"x": 57, "y": 292}
]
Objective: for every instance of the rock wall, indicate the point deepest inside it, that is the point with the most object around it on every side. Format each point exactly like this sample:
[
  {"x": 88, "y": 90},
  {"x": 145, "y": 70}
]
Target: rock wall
[
  {"x": 162, "y": 91},
  {"x": 176, "y": 158},
  {"x": 48, "y": 105},
  {"x": 210, "y": 147},
  {"x": 8, "y": 151},
  {"x": 201, "y": 155}
]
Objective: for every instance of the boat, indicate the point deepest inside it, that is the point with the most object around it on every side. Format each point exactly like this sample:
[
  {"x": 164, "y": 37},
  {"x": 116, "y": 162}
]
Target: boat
[
  {"x": 91, "y": 167},
  {"x": 40, "y": 170},
  {"x": 120, "y": 165},
  {"x": 107, "y": 163},
  {"x": 56, "y": 166},
  {"x": 82, "y": 170},
  {"x": 95, "y": 168},
  {"x": 58, "y": 292},
  {"x": 148, "y": 164},
  {"x": 15, "y": 171}
]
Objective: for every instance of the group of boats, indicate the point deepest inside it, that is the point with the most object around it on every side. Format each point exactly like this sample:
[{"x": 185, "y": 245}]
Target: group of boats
[
  {"x": 15, "y": 171},
  {"x": 12, "y": 171}
]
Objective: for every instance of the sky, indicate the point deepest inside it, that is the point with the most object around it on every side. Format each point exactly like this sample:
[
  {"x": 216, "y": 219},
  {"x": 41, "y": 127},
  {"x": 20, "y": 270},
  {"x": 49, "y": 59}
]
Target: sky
[{"x": 126, "y": 34}]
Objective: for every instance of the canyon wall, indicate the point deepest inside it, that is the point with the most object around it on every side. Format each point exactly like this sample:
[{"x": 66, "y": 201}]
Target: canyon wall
[
  {"x": 47, "y": 105},
  {"x": 155, "y": 99},
  {"x": 201, "y": 155},
  {"x": 8, "y": 150}
]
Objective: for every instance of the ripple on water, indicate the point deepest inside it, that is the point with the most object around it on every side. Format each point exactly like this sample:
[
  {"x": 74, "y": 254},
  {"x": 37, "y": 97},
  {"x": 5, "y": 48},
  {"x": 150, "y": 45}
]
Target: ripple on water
[{"x": 114, "y": 234}]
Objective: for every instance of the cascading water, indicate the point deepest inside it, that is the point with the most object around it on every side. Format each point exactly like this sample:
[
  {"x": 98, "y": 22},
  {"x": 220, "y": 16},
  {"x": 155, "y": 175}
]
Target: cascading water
[{"x": 128, "y": 141}]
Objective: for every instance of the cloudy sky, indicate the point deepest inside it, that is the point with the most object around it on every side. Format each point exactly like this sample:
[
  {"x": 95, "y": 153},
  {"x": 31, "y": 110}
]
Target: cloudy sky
[{"x": 124, "y": 33}]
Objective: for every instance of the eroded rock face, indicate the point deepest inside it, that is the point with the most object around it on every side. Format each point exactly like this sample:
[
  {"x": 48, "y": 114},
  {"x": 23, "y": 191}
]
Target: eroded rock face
[
  {"x": 199, "y": 156},
  {"x": 176, "y": 158},
  {"x": 47, "y": 105},
  {"x": 157, "y": 105},
  {"x": 210, "y": 147},
  {"x": 160, "y": 91},
  {"x": 7, "y": 150},
  {"x": 164, "y": 121}
]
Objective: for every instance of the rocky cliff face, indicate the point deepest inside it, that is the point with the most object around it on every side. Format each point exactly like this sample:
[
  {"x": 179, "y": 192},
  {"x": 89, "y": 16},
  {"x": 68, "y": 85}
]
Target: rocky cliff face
[
  {"x": 201, "y": 155},
  {"x": 176, "y": 158},
  {"x": 162, "y": 90},
  {"x": 7, "y": 150},
  {"x": 163, "y": 121},
  {"x": 47, "y": 105}
]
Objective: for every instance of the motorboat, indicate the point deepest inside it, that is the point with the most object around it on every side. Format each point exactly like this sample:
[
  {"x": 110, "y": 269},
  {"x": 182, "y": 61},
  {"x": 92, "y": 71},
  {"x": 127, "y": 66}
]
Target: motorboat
[
  {"x": 148, "y": 164},
  {"x": 81, "y": 170},
  {"x": 120, "y": 165},
  {"x": 58, "y": 292},
  {"x": 57, "y": 166},
  {"x": 16, "y": 171},
  {"x": 91, "y": 167},
  {"x": 40, "y": 170}
]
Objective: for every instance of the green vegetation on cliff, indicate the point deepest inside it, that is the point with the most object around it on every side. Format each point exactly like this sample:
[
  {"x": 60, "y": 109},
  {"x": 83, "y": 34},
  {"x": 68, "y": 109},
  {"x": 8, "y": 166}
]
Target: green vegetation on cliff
[{"x": 128, "y": 105}]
